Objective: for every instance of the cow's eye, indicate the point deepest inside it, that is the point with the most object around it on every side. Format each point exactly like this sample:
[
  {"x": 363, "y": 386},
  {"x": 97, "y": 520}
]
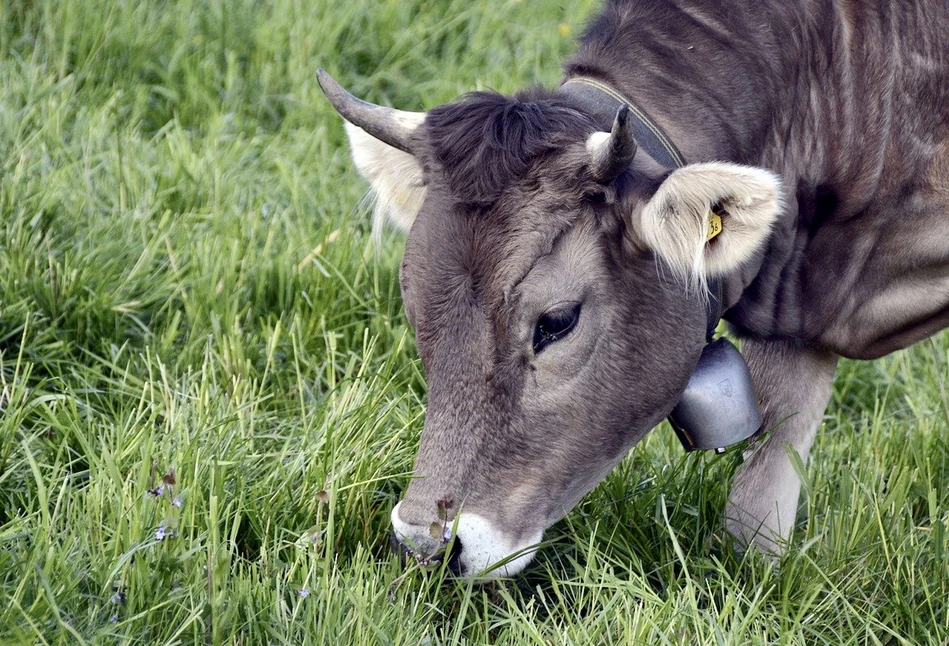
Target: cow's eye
[{"x": 555, "y": 325}]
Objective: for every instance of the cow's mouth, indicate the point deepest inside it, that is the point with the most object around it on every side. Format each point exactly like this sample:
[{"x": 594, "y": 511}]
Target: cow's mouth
[{"x": 447, "y": 552}]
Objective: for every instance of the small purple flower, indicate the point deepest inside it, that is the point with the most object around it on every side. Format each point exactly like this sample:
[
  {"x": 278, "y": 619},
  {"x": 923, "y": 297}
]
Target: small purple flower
[
  {"x": 117, "y": 598},
  {"x": 177, "y": 502},
  {"x": 304, "y": 592},
  {"x": 160, "y": 533},
  {"x": 157, "y": 491}
]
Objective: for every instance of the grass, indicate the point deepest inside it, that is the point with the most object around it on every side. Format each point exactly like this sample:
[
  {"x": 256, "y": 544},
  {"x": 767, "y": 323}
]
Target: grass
[{"x": 190, "y": 299}]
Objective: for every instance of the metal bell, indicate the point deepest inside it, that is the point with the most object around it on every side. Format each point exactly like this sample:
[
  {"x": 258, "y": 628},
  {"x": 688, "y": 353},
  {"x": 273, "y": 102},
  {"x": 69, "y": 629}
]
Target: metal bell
[{"x": 719, "y": 406}]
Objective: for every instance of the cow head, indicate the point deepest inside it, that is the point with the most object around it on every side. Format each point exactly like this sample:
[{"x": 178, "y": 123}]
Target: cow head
[{"x": 555, "y": 278}]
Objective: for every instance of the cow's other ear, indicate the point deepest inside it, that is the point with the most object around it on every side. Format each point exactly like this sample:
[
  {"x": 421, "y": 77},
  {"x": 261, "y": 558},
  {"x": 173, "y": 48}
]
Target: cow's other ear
[
  {"x": 395, "y": 177},
  {"x": 680, "y": 223}
]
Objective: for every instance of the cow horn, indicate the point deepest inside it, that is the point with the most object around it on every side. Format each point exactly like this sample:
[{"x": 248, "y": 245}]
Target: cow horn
[
  {"x": 612, "y": 154},
  {"x": 394, "y": 127}
]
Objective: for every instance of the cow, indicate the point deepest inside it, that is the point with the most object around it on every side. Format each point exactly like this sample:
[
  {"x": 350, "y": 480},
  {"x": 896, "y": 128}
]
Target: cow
[{"x": 782, "y": 165}]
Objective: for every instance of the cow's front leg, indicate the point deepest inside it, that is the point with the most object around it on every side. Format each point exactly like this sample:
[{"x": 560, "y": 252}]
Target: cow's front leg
[{"x": 793, "y": 384}]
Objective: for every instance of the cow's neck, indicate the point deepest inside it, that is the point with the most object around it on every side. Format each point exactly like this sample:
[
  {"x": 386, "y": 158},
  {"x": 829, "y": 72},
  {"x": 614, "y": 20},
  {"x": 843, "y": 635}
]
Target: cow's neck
[
  {"x": 700, "y": 90},
  {"x": 753, "y": 83},
  {"x": 711, "y": 81}
]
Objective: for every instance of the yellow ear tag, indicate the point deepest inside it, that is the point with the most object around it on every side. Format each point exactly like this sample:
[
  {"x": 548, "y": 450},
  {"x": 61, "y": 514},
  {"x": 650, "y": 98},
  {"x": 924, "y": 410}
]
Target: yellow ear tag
[
  {"x": 402, "y": 198},
  {"x": 714, "y": 225}
]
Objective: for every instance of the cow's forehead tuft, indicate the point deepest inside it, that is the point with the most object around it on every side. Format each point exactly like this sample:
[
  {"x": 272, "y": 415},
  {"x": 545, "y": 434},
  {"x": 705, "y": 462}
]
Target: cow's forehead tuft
[{"x": 486, "y": 141}]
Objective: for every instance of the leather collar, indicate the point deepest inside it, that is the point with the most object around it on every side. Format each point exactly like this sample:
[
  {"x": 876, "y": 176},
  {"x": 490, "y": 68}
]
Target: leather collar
[{"x": 602, "y": 101}]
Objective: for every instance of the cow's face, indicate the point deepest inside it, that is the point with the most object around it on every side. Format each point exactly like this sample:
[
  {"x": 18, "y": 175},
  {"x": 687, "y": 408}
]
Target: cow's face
[{"x": 555, "y": 282}]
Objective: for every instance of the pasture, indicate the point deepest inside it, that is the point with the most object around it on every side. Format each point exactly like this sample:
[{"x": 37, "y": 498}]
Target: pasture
[{"x": 210, "y": 398}]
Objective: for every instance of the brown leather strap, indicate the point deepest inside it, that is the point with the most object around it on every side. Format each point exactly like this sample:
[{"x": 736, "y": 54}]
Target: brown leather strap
[{"x": 602, "y": 102}]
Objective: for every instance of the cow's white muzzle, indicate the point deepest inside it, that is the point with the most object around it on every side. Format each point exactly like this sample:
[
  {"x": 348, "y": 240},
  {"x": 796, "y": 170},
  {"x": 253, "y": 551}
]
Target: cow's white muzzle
[{"x": 479, "y": 550}]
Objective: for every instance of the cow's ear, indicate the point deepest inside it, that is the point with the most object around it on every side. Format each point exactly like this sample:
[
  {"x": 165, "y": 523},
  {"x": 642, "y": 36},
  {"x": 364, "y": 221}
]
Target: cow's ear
[
  {"x": 706, "y": 219},
  {"x": 395, "y": 177}
]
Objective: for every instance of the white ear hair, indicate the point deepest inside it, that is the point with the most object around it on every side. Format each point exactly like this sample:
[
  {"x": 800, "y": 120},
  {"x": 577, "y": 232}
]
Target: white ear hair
[
  {"x": 675, "y": 222},
  {"x": 395, "y": 177}
]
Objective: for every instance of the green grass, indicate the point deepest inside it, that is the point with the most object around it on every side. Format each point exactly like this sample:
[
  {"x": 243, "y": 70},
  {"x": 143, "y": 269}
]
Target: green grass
[{"x": 188, "y": 283}]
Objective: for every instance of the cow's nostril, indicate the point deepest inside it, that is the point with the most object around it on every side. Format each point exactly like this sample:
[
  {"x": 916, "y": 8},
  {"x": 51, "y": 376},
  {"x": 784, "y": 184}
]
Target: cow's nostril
[{"x": 454, "y": 558}]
